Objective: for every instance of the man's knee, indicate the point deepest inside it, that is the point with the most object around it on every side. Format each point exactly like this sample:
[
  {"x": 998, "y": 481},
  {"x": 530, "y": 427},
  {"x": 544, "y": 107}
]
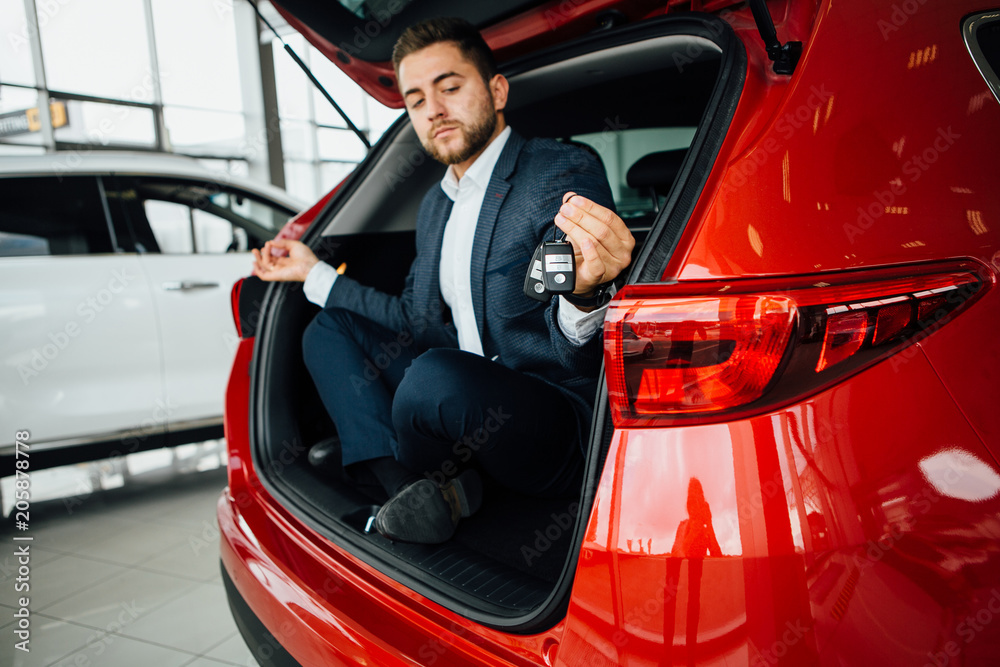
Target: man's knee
[
  {"x": 444, "y": 370},
  {"x": 435, "y": 378}
]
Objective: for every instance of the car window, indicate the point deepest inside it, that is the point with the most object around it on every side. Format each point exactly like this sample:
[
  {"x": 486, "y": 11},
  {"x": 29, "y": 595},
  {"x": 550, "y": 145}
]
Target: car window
[
  {"x": 263, "y": 214},
  {"x": 180, "y": 229},
  {"x": 181, "y": 217},
  {"x": 171, "y": 224},
  {"x": 982, "y": 36},
  {"x": 52, "y": 216},
  {"x": 620, "y": 150},
  {"x": 214, "y": 234},
  {"x": 988, "y": 37}
]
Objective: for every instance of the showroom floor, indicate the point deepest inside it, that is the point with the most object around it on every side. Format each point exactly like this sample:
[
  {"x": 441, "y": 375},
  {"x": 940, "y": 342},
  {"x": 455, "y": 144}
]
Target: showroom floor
[{"x": 124, "y": 564}]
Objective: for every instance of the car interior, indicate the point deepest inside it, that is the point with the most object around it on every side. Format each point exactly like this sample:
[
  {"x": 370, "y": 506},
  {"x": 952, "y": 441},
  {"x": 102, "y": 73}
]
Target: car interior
[
  {"x": 34, "y": 225},
  {"x": 639, "y": 108},
  {"x": 174, "y": 216}
]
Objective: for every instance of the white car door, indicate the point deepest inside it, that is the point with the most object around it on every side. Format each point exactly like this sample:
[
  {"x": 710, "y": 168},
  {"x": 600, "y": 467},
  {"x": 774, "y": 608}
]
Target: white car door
[
  {"x": 202, "y": 234},
  {"x": 79, "y": 347}
]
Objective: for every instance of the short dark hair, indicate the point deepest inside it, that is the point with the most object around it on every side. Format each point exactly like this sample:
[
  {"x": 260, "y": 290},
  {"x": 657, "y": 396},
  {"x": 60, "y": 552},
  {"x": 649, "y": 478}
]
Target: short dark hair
[{"x": 459, "y": 31}]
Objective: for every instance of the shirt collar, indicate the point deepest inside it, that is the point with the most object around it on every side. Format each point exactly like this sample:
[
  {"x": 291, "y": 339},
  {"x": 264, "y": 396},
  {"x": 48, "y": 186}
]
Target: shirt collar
[{"x": 480, "y": 171}]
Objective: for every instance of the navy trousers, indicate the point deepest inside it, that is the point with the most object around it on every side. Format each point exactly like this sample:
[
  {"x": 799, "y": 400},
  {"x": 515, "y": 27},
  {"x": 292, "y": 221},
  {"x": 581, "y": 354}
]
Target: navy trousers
[{"x": 441, "y": 410}]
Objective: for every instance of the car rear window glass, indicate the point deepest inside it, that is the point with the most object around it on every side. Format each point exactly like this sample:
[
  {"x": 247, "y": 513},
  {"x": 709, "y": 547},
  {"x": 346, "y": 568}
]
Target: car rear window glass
[
  {"x": 50, "y": 215},
  {"x": 620, "y": 151},
  {"x": 988, "y": 36},
  {"x": 982, "y": 37}
]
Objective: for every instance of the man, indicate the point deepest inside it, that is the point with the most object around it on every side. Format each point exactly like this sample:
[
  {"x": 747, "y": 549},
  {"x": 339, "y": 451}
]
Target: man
[{"x": 483, "y": 375}]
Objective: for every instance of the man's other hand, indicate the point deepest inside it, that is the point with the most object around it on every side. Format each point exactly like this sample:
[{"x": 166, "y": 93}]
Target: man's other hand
[
  {"x": 601, "y": 242},
  {"x": 294, "y": 266}
]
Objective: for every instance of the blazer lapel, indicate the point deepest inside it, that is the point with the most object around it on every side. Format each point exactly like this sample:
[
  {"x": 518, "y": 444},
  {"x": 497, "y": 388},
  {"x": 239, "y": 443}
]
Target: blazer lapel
[
  {"x": 494, "y": 198},
  {"x": 429, "y": 296}
]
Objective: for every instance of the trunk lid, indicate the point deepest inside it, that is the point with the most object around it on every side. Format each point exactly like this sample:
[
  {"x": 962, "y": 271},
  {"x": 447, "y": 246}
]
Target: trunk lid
[{"x": 358, "y": 35}]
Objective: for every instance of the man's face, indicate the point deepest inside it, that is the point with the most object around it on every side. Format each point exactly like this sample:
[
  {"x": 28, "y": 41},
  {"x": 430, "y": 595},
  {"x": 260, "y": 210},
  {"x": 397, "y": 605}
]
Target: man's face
[{"x": 452, "y": 110}]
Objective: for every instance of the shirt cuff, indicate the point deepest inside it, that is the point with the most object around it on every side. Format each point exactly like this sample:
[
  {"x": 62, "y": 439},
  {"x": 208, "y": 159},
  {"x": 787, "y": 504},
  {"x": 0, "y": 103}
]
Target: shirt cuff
[
  {"x": 577, "y": 325},
  {"x": 319, "y": 282}
]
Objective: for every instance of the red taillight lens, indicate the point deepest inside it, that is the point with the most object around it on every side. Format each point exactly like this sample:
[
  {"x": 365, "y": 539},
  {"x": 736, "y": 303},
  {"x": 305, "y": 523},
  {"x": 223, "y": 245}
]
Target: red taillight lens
[
  {"x": 234, "y": 303},
  {"x": 892, "y": 320},
  {"x": 845, "y": 332},
  {"x": 694, "y": 351},
  {"x": 701, "y": 354}
]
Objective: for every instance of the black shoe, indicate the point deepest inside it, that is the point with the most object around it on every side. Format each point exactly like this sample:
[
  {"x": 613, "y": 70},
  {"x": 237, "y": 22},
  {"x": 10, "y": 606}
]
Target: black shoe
[
  {"x": 425, "y": 513},
  {"x": 326, "y": 456}
]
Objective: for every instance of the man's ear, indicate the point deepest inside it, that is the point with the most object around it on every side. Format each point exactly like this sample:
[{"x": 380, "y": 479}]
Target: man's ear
[{"x": 499, "y": 86}]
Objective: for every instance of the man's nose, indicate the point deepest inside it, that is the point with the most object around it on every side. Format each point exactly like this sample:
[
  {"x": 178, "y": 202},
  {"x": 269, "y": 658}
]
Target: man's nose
[{"x": 435, "y": 109}]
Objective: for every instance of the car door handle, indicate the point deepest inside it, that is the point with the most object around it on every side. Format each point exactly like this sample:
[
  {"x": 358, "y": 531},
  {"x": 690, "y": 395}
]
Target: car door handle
[{"x": 185, "y": 285}]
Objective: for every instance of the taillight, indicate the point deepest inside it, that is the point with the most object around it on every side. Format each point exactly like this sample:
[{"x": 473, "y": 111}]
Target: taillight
[
  {"x": 247, "y": 299},
  {"x": 698, "y": 351},
  {"x": 234, "y": 304}
]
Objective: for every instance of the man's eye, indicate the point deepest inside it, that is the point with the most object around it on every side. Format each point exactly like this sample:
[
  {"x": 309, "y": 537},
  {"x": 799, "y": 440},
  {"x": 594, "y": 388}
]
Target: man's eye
[
  {"x": 451, "y": 90},
  {"x": 416, "y": 104}
]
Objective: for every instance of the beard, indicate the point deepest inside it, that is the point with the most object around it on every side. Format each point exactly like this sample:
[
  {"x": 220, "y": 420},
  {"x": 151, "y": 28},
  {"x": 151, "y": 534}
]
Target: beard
[{"x": 475, "y": 136}]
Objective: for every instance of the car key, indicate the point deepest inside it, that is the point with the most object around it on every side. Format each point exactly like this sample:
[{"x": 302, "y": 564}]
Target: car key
[
  {"x": 534, "y": 285},
  {"x": 558, "y": 267}
]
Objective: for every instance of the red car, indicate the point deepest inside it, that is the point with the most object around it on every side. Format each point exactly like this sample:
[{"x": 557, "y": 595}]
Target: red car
[{"x": 802, "y": 472}]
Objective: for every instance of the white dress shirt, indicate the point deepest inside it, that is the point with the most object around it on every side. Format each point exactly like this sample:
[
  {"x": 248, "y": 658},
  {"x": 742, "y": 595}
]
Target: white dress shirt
[{"x": 456, "y": 258}]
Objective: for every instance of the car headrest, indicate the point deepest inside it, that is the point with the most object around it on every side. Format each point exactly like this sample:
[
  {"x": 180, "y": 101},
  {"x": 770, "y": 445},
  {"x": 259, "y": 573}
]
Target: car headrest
[{"x": 656, "y": 170}]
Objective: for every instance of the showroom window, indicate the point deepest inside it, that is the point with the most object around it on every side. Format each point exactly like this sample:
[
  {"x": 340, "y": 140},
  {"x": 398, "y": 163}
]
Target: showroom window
[
  {"x": 15, "y": 53},
  {"x": 98, "y": 48},
  {"x": 319, "y": 149},
  {"x": 178, "y": 76},
  {"x": 36, "y": 223},
  {"x": 200, "y": 82}
]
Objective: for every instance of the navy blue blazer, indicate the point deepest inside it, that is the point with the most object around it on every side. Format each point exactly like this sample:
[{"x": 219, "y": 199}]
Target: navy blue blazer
[{"x": 522, "y": 198}]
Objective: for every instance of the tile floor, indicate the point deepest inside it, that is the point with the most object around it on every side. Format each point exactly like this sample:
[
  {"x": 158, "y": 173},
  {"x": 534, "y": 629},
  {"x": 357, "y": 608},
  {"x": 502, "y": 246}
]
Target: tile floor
[{"x": 124, "y": 564}]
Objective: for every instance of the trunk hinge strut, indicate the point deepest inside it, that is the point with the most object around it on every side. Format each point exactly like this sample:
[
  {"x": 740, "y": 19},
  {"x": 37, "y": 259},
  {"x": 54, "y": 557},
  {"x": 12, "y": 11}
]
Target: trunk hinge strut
[
  {"x": 319, "y": 86},
  {"x": 785, "y": 56}
]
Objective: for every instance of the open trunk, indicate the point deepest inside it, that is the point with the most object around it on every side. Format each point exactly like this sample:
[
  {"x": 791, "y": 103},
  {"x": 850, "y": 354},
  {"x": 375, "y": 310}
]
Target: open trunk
[{"x": 665, "y": 85}]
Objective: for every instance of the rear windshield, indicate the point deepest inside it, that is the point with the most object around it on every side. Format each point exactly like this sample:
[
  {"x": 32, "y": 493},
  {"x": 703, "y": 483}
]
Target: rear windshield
[{"x": 623, "y": 149}]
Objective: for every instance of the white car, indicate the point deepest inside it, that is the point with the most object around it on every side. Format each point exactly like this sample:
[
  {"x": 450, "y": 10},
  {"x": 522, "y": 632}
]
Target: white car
[
  {"x": 633, "y": 344},
  {"x": 115, "y": 278}
]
